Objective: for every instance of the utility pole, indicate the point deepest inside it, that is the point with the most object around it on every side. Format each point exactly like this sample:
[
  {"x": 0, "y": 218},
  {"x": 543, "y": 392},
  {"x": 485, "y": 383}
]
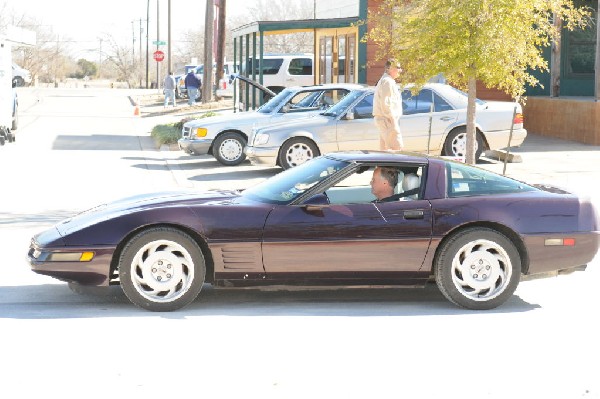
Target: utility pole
[
  {"x": 222, "y": 6},
  {"x": 133, "y": 46},
  {"x": 140, "y": 63},
  {"x": 157, "y": 40},
  {"x": 147, "y": 29},
  {"x": 169, "y": 62},
  {"x": 208, "y": 52}
]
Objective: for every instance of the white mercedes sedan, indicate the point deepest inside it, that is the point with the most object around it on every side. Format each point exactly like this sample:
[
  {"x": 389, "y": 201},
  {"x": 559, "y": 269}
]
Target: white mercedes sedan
[{"x": 434, "y": 122}]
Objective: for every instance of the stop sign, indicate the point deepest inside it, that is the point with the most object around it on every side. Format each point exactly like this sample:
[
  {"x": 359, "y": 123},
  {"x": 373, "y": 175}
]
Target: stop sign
[{"x": 159, "y": 55}]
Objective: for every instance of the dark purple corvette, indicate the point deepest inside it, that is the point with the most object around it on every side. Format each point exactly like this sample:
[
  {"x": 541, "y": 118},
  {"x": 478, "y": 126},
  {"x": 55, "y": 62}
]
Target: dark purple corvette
[{"x": 473, "y": 232}]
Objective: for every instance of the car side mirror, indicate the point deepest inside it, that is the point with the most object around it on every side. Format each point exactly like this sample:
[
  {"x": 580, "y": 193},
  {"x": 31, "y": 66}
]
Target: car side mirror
[
  {"x": 286, "y": 108},
  {"x": 350, "y": 115},
  {"x": 317, "y": 200}
]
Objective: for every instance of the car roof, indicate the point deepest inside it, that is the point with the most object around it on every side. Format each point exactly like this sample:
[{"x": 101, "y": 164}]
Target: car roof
[
  {"x": 378, "y": 156},
  {"x": 349, "y": 86}
]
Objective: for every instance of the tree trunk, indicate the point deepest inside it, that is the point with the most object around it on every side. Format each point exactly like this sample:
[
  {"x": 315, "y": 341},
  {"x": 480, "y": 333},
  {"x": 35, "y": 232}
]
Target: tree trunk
[
  {"x": 597, "y": 76},
  {"x": 555, "y": 60},
  {"x": 471, "y": 130}
]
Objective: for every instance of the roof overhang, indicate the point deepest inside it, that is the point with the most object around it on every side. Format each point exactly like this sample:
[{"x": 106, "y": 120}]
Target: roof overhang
[{"x": 293, "y": 26}]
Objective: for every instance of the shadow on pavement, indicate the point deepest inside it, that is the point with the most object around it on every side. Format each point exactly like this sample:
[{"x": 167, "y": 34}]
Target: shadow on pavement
[{"x": 55, "y": 301}]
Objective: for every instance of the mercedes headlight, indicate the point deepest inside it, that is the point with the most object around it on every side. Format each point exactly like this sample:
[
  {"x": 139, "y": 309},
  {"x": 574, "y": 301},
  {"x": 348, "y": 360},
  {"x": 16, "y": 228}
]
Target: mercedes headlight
[{"x": 261, "y": 138}]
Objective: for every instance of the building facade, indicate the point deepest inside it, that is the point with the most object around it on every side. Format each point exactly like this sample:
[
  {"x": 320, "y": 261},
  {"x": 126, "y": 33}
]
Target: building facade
[{"x": 569, "y": 92}]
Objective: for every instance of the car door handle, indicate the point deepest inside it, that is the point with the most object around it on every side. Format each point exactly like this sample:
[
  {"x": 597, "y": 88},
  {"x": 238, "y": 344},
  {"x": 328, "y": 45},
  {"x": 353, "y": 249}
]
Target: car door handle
[
  {"x": 446, "y": 118},
  {"x": 414, "y": 214}
]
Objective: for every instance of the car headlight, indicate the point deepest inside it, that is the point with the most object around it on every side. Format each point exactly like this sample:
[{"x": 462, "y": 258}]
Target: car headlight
[
  {"x": 261, "y": 138},
  {"x": 199, "y": 132}
]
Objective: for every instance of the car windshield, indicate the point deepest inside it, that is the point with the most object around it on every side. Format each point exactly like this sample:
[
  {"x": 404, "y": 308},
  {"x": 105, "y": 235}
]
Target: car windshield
[
  {"x": 341, "y": 107},
  {"x": 274, "y": 102},
  {"x": 288, "y": 185}
]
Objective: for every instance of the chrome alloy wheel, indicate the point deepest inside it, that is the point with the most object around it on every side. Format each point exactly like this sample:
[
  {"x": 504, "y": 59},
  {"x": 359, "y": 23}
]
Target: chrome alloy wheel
[
  {"x": 459, "y": 145},
  {"x": 231, "y": 149},
  {"x": 298, "y": 153},
  {"x": 481, "y": 270},
  {"x": 162, "y": 271}
]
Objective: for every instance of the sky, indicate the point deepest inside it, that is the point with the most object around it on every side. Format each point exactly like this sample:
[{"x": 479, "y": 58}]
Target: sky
[{"x": 85, "y": 22}]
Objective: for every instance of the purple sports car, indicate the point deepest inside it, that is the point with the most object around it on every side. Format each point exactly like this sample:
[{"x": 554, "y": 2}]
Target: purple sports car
[{"x": 475, "y": 233}]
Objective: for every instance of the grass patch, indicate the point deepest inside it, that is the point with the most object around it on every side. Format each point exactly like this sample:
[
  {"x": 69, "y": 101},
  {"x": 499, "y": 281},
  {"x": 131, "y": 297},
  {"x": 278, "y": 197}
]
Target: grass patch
[{"x": 171, "y": 132}]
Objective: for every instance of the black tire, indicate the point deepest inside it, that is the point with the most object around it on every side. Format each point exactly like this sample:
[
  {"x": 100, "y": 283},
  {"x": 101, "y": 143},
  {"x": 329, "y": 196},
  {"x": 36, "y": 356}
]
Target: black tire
[
  {"x": 296, "y": 151},
  {"x": 478, "y": 268},
  {"x": 456, "y": 143},
  {"x": 162, "y": 269},
  {"x": 228, "y": 148},
  {"x": 18, "y": 81},
  {"x": 2, "y": 140},
  {"x": 15, "y": 122},
  {"x": 10, "y": 137}
]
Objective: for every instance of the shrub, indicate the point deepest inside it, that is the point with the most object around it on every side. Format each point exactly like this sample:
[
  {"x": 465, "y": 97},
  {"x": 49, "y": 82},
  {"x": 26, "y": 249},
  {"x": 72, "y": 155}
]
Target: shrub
[{"x": 170, "y": 133}]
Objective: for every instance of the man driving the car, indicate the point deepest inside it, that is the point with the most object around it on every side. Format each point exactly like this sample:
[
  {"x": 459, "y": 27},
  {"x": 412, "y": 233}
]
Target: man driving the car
[{"x": 383, "y": 182}]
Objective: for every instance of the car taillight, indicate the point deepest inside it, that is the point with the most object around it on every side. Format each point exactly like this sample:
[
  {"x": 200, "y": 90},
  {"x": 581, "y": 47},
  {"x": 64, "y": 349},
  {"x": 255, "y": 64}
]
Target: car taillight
[
  {"x": 224, "y": 85},
  {"x": 518, "y": 119}
]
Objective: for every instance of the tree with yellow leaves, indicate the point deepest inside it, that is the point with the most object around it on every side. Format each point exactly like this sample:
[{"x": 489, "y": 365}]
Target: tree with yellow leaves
[{"x": 498, "y": 42}]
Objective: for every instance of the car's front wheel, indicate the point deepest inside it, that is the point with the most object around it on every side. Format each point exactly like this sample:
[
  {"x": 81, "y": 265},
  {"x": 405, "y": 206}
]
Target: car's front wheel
[
  {"x": 162, "y": 269},
  {"x": 456, "y": 144},
  {"x": 18, "y": 81},
  {"x": 228, "y": 149},
  {"x": 296, "y": 151},
  {"x": 478, "y": 268}
]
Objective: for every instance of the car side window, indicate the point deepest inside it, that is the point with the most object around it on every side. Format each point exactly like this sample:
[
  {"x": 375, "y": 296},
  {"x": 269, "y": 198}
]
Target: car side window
[
  {"x": 464, "y": 181},
  {"x": 356, "y": 188},
  {"x": 300, "y": 66},
  {"x": 364, "y": 108},
  {"x": 270, "y": 66},
  {"x": 421, "y": 102}
]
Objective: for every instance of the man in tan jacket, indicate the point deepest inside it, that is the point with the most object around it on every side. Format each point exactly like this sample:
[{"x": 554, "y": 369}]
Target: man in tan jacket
[{"x": 387, "y": 108}]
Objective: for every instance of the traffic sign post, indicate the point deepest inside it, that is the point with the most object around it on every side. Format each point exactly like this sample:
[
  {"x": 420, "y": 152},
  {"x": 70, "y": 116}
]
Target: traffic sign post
[{"x": 158, "y": 56}]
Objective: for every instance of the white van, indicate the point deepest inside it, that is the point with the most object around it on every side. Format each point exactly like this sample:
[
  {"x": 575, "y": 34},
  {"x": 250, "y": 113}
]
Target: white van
[{"x": 279, "y": 71}]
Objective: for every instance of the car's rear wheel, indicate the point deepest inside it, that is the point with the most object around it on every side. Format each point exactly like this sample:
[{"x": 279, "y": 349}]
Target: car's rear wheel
[
  {"x": 162, "y": 269},
  {"x": 228, "y": 149},
  {"x": 478, "y": 268},
  {"x": 296, "y": 151},
  {"x": 456, "y": 144}
]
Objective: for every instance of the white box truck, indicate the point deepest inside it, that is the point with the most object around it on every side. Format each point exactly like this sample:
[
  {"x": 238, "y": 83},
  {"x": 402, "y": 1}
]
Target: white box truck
[{"x": 8, "y": 95}]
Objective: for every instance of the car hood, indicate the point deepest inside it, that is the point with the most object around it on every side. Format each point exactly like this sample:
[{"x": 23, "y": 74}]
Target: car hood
[
  {"x": 143, "y": 202},
  {"x": 229, "y": 119}
]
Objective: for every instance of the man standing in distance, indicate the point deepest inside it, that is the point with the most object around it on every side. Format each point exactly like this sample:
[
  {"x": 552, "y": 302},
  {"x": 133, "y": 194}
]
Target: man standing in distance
[
  {"x": 192, "y": 84},
  {"x": 169, "y": 87},
  {"x": 387, "y": 108}
]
